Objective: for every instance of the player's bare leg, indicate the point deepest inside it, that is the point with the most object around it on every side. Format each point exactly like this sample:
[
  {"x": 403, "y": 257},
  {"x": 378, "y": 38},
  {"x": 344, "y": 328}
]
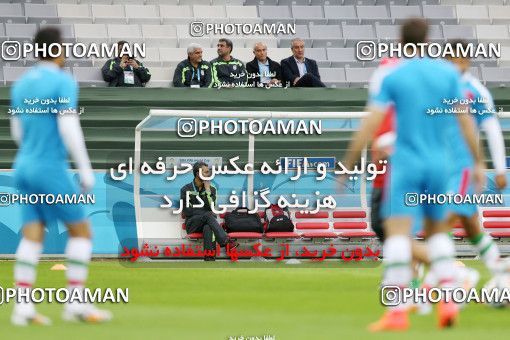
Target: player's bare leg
[
  {"x": 397, "y": 272},
  {"x": 442, "y": 265},
  {"x": 78, "y": 252},
  {"x": 27, "y": 259}
]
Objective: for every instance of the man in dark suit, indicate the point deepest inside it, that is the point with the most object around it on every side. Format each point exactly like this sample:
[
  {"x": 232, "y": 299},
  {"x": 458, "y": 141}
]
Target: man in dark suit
[
  {"x": 299, "y": 71},
  {"x": 262, "y": 71}
]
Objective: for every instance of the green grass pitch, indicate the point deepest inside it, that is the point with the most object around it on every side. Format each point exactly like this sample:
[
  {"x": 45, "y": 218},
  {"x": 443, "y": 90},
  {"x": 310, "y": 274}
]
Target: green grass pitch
[{"x": 191, "y": 301}]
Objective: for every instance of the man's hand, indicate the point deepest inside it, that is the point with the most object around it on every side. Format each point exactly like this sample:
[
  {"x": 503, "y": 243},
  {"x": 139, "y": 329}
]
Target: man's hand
[
  {"x": 133, "y": 63},
  {"x": 123, "y": 61},
  {"x": 274, "y": 81},
  {"x": 296, "y": 80},
  {"x": 207, "y": 185},
  {"x": 500, "y": 181}
]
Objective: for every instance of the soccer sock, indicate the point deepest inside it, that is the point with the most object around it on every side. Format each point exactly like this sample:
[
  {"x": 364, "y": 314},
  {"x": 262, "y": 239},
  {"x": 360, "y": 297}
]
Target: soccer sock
[
  {"x": 397, "y": 263},
  {"x": 488, "y": 251},
  {"x": 442, "y": 258},
  {"x": 27, "y": 258},
  {"x": 78, "y": 253}
]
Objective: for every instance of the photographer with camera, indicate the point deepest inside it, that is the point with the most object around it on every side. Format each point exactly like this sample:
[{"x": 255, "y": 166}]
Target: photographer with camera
[{"x": 125, "y": 71}]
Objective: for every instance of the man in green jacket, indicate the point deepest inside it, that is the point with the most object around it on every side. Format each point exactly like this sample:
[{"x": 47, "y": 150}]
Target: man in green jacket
[
  {"x": 227, "y": 71},
  {"x": 193, "y": 71}
]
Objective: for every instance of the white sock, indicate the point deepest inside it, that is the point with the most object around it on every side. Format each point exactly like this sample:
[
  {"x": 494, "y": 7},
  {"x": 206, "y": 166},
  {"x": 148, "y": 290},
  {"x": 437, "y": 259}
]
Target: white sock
[
  {"x": 78, "y": 252},
  {"x": 27, "y": 258},
  {"x": 441, "y": 250},
  {"x": 488, "y": 250},
  {"x": 397, "y": 263}
]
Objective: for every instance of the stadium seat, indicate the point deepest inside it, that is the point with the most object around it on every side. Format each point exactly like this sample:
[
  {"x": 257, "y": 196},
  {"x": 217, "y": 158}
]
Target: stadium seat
[
  {"x": 213, "y": 14},
  {"x": 333, "y": 77},
  {"x": 161, "y": 76},
  {"x": 472, "y": 14},
  {"x": 496, "y": 213},
  {"x": 496, "y": 76},
  {"x": 171, "y": 14},
  {"x": 326, "y": 36},
  {"x": 308, "y": 14},
  {"x": 354, "y": 33},
  {"x": 171, "y": 56},
  {"x": 455, "y": 31},
  {"x": 356, "y": 234},
  {"x": 312, "y": 225},
  {"x": 340, "y": 57},
  {"x": 500, "y": 234},
  {"x": 74, "y": 14},
  {"x": 195, "y": 2},
  {"x": 357, "y": 77},
  {"x": 228, "y": 2},
  {"x": 160, "y": 35},
  {"x": 373, "y": 14},
  {"x": 195, "y": 236},
  {"x": 436, "y": 33},
  {"x": 242, "y": 14},
  {"x": 67, "y": 31},
  {"x": 89, "y": 76},
  {"x": 320, "y": 214},
  {"x": 401, "y": 13},
  {"x": 281, "y": 235},
  {"x": 12, "y": 13},
  {"x": 387, "y": 32},
  {"x": 261, "y": 2},
  {"x": 205, "y": 42},
  {"x": 340, "y": 14},
  {"x": 41, "y": 13},
  {"x": 293, "y": 2},
  {"x": 350, "y": 225},
  {"x": 493, "y": 33},
  {"x": 130, "y": 33},
  {"x": 499, "y": 14},
  {"x": 350, "y": 214},
  {"x": 20, "y": 32},
  {"x": 302, "y": 32},
  {"x": 142, "y": 14},
  {"x": 110, "y": 14},
  {"x": 151, "y": 57},
  {"x": 319, "y": 235},
  {"x": 275, "y": 14},
  {"x": 90, "y": 33},
  {"x": 496, "y": 224},
  {"x": 245, "y": 235},
  {"x": 437, "y": 14},
  {"x": 318, "y": 54}
]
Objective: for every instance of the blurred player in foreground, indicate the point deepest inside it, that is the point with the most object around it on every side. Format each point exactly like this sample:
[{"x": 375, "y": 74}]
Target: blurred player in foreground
[
  {"x": 417, "y": 166},
  {"x": 41, "y": 167},
  {"x": 482, "y": 110}
]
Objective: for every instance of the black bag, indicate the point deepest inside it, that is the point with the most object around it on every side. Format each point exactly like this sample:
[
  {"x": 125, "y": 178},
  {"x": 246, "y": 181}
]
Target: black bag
[
  {"x": 240, "y": 220},
  {"x": 278, "y": 219}
]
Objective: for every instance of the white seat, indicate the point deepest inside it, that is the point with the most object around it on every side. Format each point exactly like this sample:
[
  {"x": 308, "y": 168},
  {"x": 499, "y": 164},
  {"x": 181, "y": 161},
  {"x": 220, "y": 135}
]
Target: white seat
[
  {"x": 473, "y": 14},
  {"x": 90, "y": 32},
  {"x": 89, "y": 76},
  {"x": 41, "y": 13},
  {"x": 111, "y": 14},
  {"x": 124, "y": 32},
  {"x": 171, "y": 14},
  {"x": 161, "y": 77},
  {"x": 142, "y": 14},
  {"x": 75, "y": 14},
  {"x": 160, "y": 35}
]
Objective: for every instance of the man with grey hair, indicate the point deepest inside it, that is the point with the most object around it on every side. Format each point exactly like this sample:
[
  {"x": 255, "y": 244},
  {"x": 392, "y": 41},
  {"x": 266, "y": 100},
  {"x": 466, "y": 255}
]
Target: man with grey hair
[
  {"x": 262, "y": 71},
  {"x": 193, "y": 71},
  {"x": 299, "y": 71}
]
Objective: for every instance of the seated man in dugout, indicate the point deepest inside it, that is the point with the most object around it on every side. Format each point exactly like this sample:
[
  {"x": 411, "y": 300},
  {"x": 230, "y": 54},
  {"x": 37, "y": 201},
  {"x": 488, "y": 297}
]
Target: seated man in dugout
[{"x": 202, "y": 219}]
